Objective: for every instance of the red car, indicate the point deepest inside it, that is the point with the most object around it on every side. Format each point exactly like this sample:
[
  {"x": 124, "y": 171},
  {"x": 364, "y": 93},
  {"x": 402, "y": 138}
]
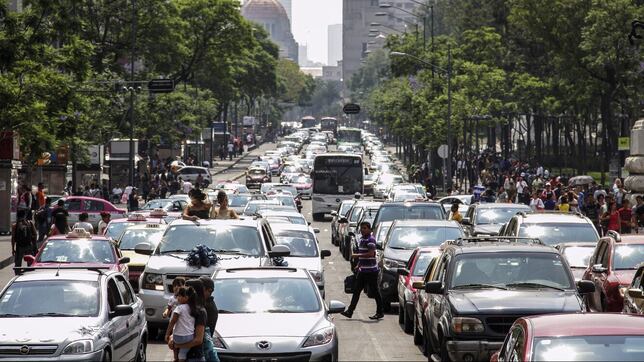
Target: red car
[
  {"x": 420, "y": 260},
  {"x": 116, "y": 227},
  {"x": 574, "y": 337},
  {"x": 93, "y": 206},
  {"x": 612, "y": 268},
  {"x": 80, "y": 248}
]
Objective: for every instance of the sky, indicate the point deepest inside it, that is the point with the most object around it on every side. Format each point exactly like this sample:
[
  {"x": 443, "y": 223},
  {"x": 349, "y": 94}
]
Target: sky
[{"x": 310, "y": 22}]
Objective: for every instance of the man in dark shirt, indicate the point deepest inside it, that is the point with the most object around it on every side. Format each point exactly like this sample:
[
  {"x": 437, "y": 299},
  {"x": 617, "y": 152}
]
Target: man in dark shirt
[
  {"x": 367, "y": 272},
  {"x": 209, "y": 303}
]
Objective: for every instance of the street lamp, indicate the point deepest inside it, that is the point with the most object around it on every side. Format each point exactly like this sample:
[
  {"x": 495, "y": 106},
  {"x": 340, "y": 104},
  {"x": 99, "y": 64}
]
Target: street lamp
[{"x": 448, "y": 73}]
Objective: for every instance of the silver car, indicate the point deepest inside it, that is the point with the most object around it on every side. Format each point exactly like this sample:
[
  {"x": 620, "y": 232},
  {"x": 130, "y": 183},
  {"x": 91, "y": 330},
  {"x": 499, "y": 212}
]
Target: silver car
[
  {"x": 71, "y": 314},
  {"x": 273, "y": 313}
]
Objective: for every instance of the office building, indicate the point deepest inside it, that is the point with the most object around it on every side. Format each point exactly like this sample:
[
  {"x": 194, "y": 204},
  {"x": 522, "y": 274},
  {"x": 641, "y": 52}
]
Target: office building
[
  {"x": 273, "y": 17},
  {"x": 334, "y": 42}
]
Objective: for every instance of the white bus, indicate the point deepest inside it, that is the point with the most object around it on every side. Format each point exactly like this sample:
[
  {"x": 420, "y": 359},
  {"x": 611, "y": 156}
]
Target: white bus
[{"x": 336, "y": 177}]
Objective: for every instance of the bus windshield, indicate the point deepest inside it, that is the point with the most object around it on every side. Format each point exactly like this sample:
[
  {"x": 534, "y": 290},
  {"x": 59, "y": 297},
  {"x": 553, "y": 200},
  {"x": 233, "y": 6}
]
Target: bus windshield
[
  {"x": 337, "y": 175},
  {"x": 349, "y": 136},
  {"x": 308, "y": 122}
]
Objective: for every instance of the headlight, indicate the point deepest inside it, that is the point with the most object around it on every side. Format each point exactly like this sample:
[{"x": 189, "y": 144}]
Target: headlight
[
  {"x": 317, "y": 275},
  {"x": 152, "y": 281},
  {"x": 320, "y": 337},
  {"x": 218, "y": 342},
  {"x": 467, "y": 325},
  {"x": 78, "y": 347},
  {"x": 391, "y": 264}
]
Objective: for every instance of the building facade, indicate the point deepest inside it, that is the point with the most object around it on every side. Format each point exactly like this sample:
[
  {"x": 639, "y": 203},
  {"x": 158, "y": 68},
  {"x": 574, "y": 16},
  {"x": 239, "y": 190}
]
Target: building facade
[
  {"x": 334, "y": 44},
  {"x": 274, "y": 18},
  {"x": 288, "y": 6}
]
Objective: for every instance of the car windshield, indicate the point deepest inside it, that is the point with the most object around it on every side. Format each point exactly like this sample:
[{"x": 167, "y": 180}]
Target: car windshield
[
  {"x": 497, "y": 215},
  {"x": 284, "y": 200},
  {"x": 158, "y": 204},
  {"x": 253, "y": 207},
  {"x": 64, "y": 298},
  {"x": 266, "y": 295},
  {"x": 345, "y": 207},
  {"x": 114, "y": 229},
  {"x": 338, "y": 180},
  {"x": 257, "y": 172},
  {"x": 297, "y": 220},
  {"x": 589, "y": 348},
  {"x": 131, "y": 237},
  {"x": 389, "y": 179},
  {"x": 301, "y": 180},
  {"x": 516, "y": 270},
  {"x": 556, "y": 233},
  {"x": 77, "y": 251},
  {"x": 411, "y": 212},
  {"x": 355, "y": 214},
  {"x": 223, "y": 238},
  {"x": 578, "y": 256},
  {"x": 301, "y": 243},
  {"x": 406, "y": 196},
  {"x": 628, "y": 256},
  {"x": 421, "y": 264},
  {"x": 238, "y": 200},
  {"x": 410, "y": 237}
]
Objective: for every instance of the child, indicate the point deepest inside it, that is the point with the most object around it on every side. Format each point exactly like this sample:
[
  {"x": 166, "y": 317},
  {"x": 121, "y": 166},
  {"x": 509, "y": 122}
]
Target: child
[
  {"x": 182, "y": 323},
  {"x": 177, "y": 283}
]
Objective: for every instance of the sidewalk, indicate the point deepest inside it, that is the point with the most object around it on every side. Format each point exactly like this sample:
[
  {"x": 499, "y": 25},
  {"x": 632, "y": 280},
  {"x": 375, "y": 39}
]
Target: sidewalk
[{"x": 6, "y": 259}]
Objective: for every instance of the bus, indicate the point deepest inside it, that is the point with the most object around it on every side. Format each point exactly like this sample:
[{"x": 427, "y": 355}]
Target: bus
[
  {"x": 329, "y": 124},
  {"x": 336, "y": 177},
  {"x": 349, "y": 136},
  {"x": 309, "y": 122}
]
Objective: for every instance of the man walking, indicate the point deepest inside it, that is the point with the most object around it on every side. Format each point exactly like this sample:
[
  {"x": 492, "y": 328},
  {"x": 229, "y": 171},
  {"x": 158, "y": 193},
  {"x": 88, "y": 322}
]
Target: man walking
[
  {"x": 367, "y": 274},
  {"x": 23, "y": 237}
]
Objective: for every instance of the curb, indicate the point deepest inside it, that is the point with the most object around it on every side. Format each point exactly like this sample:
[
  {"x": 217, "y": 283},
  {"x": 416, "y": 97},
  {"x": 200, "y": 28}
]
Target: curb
[{"x": 6, "y": 262}]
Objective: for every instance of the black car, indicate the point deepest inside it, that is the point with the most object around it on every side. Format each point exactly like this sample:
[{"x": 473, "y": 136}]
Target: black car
[
  {"x": 488, "y": 218},
  {"x": 479, "y": 288},
  {"x": 408, "y": 210}
]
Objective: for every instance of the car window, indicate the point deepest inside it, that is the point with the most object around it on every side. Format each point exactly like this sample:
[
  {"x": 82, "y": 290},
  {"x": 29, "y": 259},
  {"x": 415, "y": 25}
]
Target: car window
[
  {"x": 422, "y": 264},
  {"x": 64, "y": 298},
  {"x": 113, "y": 295},
  {"x": 410, "y": 237},
  {"x": 243, "y": 240},
  {"x": 411, "y": 259},
  {"x": 439, "y": 275},
  {"x": 508, "y": 346},
  {"x": 603, "y": 257},
  {"x": 73, "y": 205},
  {"x": 77, "y": 251},
  {"x": 637, "y": 280},
  {"x": 628, "y": 256},
  {"x": 497, "y": 215},
  {"x": 555, "y": 233},
  {"x": 516, "y": 354},
  {"x": 598, "y": 251},
  {"x": 301, "y": 243},
  {"x": 578, "y": 256},
  {"x": 124, "y": 290}
]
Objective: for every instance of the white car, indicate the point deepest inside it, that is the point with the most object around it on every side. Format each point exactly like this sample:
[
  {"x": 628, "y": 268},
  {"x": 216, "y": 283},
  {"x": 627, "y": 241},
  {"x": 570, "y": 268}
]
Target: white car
[{"x": 191, "y": 173}]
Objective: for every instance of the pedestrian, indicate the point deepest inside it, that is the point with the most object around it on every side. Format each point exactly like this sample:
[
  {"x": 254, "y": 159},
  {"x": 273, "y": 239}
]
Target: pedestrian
[
  {"x": 133, "y": 200},
  {"x": 591, "y": 210},
  {"x": 223, "y": 212},
  {"x": 212, "y": 312},
  {"x": 41, "y": 220},
  {"x": 83, "y": 223},
  {"x": 24, "y": 201},
  {"x": 611, "y": 219},
  {"x": 638, "y": 212},
  {"x": 69, "y": 189},
  {"x": 196, "y": 346},
  {"x": 40, "y": 195},
  {"x": 182, "y": 323},
  {"x": 177, "y": 284},
  {"x": 23, "y": 238},
  {"x": 231, "y": 149},
  {"x": 59, "y": 226},
  {"x": 455, "y": 214},
  {"x": 117, "y": 191},
  {"x": 626, "y": 216},
  {"x": 502, "y": 196},
  {"x": 367, "y": 272},
  {"x": 60, "y": 208},
  {"x": 536, "y": 204},
  {"x": 564, "y": 206},
  {"x": 198, "y": 208},
  {"x": 105, "y": 192},
  {"x": 105, "y": 220}
]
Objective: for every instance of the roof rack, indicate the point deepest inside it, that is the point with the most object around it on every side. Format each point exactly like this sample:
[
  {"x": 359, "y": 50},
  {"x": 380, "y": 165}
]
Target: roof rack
[
  {"x": 495, "y": 238},
  {"x": 100, "y": 270}
]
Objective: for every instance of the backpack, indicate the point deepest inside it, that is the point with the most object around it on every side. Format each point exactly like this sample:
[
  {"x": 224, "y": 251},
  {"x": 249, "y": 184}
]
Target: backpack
[{"x": 24, "y": 233}]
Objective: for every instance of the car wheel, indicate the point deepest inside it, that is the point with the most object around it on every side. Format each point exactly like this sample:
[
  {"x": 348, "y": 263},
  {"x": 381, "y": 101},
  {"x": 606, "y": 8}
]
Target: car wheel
[
  {"x": 153, "y": 332},
  {"x": 107, "y": 356},
  {"x": 418, "y": 338},
  {"x": 408, "y": 324},
  {"x": 141, "y": 352},
  {"x": 443, "y": 350},
  {"x": 401, "y": 313}
]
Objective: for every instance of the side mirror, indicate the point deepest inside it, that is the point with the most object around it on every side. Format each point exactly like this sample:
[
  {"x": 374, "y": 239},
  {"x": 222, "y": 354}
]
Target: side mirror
[
  {"x": 466, "y": 221},
  {"x": 334, "y": 213},
  {"x": 585, "y": 287},
  {"x": 635, "y": 293},
  {"x": 316, "y": 230},
  {"x": 379, "y": 245},
  {"x": 121, "y": 310},
  {"x": 598, "y": 268},
  {"x": 124, "y": 260},
  {"x": 343, "y": 220},
  {"x": 143, "y": 249},
  {"x": 336, "y": 307},
  {"x": 418, "y": 285},
  {"x": 325, "y": 253},
  {"x": 29, "y": 259},
  {"x": 279, "y": 251},
  {"x": 403, "y": 271},
  {"x": 434, "y": 287}
]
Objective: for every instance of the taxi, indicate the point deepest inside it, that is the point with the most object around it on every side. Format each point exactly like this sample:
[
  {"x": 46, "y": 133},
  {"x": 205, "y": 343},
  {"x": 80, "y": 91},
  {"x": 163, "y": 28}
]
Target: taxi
[
  {"x": 93, "y": 206},
  {"x": 80, "y": 248},
  {"x": 132, "y": 236},
  {"x": 116, "y": 227}
]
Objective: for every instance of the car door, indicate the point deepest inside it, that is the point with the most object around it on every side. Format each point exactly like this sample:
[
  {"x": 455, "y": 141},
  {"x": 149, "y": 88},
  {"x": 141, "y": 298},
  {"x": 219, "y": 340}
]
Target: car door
[
  {"x": 74, "y": 208},
  {"x": 117, "y": 328},
  {"x": 512, "y": 349},
  {"x": 133, "y": 322},
  {"x": 594, "y": 303},
  {"x": 436, "y": 301}
]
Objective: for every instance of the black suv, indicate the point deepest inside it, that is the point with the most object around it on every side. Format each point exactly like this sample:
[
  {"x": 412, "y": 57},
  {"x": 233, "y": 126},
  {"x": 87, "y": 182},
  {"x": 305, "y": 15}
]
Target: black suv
[{"x": 479, "y": 288}]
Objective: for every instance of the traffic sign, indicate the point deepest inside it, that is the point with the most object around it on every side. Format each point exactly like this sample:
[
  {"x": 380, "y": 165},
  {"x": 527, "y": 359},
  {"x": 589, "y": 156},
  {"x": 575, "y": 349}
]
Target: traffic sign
[
  {"x": 161, "y": 85},
  {"x": 351, "y": 108},
  {"x": 443, "y": 151},
  {"x": 219, "y": 127}
]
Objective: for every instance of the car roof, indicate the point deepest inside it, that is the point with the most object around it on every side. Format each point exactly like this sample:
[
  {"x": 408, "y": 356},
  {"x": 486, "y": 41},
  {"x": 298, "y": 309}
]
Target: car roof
[
  {"x": 66, "y": 237},
  {"x": 502, "y": 247},
  {"x": 493, "y": 205},
  {"x": 554, "y": 217},
  {"x": 411, "y": 203},
  {"x": 242, "y": 221},
  {"x": 630, "y": 239},
  {"x": 62, "y": 273},
  {"x": 144, "y": 226},
  {"x": 423, "y": 222},
  {"x": 282, "y": 213},
  {"x": 556, "y": 325},
  {"x": 260, "y": 272},
  {"x": 295, "y": 227}
]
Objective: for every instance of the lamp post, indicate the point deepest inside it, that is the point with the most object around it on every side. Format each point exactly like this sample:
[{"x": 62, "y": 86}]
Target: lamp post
[{"x": 448, "y": 73}]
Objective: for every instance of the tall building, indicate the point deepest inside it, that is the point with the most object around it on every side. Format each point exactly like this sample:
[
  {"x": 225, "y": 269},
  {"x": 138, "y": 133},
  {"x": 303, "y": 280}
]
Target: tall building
[
  {"x": 288, "y": 6},
  {"x": 273, "y": 17},
  {"x": 334, "y": 44},
  {"x": 303, "y": 56},
  {"x": 361, "y": 29},
  {"x": 14, "y": 5}
]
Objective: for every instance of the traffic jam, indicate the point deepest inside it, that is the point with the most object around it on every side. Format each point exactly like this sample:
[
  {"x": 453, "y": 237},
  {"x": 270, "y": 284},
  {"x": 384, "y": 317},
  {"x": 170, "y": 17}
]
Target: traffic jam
[{"x": 236, "y": 271}]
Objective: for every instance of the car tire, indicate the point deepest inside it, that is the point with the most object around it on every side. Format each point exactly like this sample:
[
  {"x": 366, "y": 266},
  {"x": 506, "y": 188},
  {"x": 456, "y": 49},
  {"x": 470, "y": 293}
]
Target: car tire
[
  {"x": 418, "y": 338},
  {"x": 141, "y": 351},
  {"x": 443, "y": 349},
  {"x": 401, "y": 313},
  {"x": 408, "y": 324},
  {"x": 107, "y": 356}
]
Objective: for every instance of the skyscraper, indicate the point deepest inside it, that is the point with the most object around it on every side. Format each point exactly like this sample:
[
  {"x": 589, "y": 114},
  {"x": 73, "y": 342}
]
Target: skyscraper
[
  {"x": 272, "y": 16},
  {"x": 334, "y": 44},
  {"x": 303, "y": 55}
]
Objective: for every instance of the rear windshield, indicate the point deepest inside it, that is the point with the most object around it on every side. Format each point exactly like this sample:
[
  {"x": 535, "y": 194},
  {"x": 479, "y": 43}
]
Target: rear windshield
[
  {"x": 77, "y": 251},
  {"x": 413, "y": 212},
  {"x": 555, "y": 233}
]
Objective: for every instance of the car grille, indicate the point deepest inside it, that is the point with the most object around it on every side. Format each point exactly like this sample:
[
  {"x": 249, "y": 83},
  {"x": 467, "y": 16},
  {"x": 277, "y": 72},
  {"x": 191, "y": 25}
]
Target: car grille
[
  {"x": 265, "y": 357},
  {"x": 170, "y": 278},
  {"x": 500, "y": 324},
  {"x": 28, "y": 349}
]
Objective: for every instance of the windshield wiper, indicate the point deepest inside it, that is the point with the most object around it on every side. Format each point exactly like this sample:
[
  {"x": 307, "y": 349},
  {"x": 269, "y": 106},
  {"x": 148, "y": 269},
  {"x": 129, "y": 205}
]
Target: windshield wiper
[
  {"x": 51, "y": 314},
  {"x": 280, "y": 311},
  {"x": 173, "y": 251},
  {"x": 224, "y": 311},
  {"x": 478, "y": 285},
  {"x": 397, "y": 248},
  {"x": 534, "y": 285},
  {"x": 10, "y": 315}
]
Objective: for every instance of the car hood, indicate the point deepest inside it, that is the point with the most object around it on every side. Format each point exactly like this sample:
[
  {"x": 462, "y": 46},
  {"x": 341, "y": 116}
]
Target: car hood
[
  {"x": 175, "y": 263},
  {"x": 135, "y": 259},
  {"x": 267, "y": 324},
  {"x": 513, "y": 301},
  {"x": 312, "y": 263},
  {"x": 487, "y": 229},
  {"x": 625, "y": 277},
  {"x": 396, "y": 254},
  {"x": 46, "y": 329}
]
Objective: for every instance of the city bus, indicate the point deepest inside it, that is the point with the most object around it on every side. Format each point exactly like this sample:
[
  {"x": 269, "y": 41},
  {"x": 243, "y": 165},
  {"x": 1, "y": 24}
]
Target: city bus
[
  {"x": 309, "y": 122},
  {"x": 336, "y": 177},
  {"x": 329, "y": 124}
]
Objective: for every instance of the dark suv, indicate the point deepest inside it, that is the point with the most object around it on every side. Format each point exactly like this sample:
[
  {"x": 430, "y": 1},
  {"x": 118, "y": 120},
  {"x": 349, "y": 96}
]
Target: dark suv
[{"x": 479, "y": 288}]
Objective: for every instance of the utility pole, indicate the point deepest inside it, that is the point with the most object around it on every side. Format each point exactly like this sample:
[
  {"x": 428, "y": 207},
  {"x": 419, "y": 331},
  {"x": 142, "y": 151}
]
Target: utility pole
[
  {"x": 132, "y": 57},
  {"x": 449, "y": 116}
]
